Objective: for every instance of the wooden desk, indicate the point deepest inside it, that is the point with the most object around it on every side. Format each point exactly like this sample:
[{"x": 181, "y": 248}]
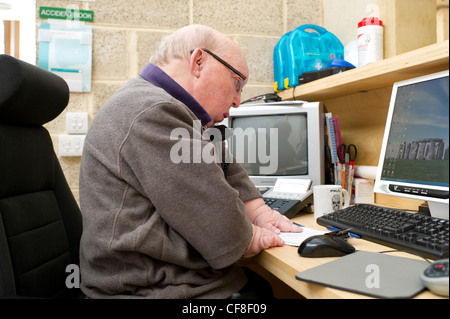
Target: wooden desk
[{"x": 284, "y": 262}]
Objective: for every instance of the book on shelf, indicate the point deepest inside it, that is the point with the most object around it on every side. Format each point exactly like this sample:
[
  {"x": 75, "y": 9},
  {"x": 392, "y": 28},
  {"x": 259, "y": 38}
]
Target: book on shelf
[
  {"x": 331, "y": 138},
  {"x": 332, "y": 147},
  {"x": 337, "y": 134},
  {"x": 334, "y": 140}
]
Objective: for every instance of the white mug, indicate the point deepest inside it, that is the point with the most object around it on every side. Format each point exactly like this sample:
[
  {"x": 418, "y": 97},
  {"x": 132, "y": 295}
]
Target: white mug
[{"x": 328, "y": 198}]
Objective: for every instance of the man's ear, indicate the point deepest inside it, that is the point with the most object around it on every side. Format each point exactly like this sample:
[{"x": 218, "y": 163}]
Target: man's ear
[{"x": 197, "y": 62}]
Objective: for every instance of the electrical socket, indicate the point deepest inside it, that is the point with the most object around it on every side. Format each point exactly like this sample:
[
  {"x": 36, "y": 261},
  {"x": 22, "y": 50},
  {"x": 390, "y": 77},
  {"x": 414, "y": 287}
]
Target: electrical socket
[
  {"x": 71, "y": 145},
  {"x": 76, "y": 122}
]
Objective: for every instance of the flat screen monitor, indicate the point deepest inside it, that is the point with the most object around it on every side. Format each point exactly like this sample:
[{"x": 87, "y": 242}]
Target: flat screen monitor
[
  {"x": 279, "y": 140},
  {"x": 414, "y": 159}
]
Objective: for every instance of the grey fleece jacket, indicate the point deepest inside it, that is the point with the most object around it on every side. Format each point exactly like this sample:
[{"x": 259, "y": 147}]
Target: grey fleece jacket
[{"x": 153, "y": 228}]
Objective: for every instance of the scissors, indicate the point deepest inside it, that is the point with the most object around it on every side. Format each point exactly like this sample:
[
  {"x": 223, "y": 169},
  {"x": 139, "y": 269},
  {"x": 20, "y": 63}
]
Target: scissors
[
  {"x": 347, "y": 157},
  {"x": 342, "y": 150}
]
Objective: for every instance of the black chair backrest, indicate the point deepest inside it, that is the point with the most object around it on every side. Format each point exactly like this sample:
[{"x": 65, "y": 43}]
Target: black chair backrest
[{"x": 40, "y": 221}]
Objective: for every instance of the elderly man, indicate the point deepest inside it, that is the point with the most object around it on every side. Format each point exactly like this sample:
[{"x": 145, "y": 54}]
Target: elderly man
[{"x": 155, "y": 227}]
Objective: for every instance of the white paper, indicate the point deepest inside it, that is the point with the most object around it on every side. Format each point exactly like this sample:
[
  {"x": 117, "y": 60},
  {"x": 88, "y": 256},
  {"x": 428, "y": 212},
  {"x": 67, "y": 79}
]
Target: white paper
[{"x": 295, "y": 239}]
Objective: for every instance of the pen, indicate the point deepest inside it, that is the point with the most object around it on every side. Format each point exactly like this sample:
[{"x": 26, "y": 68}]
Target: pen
[
  {"x": 331, "y": 228},
  {"x": 347, "y": 167},
  {"x": 298, "y": 224}
]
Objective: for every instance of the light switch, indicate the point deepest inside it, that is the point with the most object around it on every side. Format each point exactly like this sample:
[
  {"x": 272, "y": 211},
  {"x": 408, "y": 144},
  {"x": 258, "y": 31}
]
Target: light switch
[
  {"x": 71, "y": 145},
  {"x": 77, "y": 122}
]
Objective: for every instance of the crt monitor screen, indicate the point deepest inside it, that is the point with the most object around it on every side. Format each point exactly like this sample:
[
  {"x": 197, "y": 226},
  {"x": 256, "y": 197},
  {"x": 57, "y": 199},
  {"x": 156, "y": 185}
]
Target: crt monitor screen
[
  {"x": 414, "y": 161},
  {"x": 289, "y": 144},
  {"x": 279, "y": 140}
]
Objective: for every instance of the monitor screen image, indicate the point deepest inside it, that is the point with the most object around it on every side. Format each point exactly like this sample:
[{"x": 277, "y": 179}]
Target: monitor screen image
[
  {"x": 279, "y": 140},
  {"x": 291, "y": 140},
  {"x": 414, "y": 161}
]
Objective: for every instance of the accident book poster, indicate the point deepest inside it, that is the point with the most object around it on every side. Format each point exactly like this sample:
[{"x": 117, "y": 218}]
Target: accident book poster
[{"x": 66, "y": 49}]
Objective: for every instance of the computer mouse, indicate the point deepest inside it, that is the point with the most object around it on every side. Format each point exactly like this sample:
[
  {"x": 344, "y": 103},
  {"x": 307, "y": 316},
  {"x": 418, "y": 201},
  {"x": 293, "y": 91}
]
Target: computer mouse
[
  {"x": 324, "y": 246},
  {"x": 435, "y": 277}
]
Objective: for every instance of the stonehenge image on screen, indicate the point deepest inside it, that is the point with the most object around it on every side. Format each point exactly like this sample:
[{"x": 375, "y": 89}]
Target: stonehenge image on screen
[{"x": 423, "y": 149}]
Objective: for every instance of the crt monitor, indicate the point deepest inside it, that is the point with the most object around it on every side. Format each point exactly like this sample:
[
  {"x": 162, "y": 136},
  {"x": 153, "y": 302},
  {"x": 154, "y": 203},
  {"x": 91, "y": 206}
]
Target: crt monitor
[
  {"x": 415, "y": 151},
  {"x": 279, "y": 140}
]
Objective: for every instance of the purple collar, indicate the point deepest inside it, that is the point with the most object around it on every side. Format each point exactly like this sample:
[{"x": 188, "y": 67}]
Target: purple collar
[{"x": 159, "y": 78}]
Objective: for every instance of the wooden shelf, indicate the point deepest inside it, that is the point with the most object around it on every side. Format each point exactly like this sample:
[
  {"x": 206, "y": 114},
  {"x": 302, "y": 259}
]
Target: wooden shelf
[{"x": 426, "y": 60}]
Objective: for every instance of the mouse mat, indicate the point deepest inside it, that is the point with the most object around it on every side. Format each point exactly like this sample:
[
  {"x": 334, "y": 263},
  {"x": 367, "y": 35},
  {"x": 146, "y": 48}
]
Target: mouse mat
[{"x": 373, "y": 274}]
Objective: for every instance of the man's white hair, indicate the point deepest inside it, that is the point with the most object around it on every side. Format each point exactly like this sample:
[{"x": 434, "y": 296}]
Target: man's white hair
[{"x": 179, "y": 44}]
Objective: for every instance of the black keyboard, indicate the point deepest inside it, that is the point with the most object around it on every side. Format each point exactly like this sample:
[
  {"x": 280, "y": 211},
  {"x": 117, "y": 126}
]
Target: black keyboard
[{"x": 417, "y": 233}]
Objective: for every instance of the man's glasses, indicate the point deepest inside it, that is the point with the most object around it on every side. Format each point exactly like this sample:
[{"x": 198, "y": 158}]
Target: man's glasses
[{"x": 240, "y": 83}]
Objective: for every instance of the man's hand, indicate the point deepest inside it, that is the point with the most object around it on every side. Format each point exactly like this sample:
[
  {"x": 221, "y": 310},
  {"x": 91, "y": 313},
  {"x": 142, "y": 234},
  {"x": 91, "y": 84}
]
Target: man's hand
[
  {"x": 263, "y": 216},
  {"x": 262, "y": 239},
  {"x": 267, "y": 225},
  {"x": 276, "y": 222}
]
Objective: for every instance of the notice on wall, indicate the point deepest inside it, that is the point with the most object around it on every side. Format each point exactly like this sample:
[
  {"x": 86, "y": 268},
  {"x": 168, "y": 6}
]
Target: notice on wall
[
  {"x": 72, "y": 12},
  {"x": 66, "y": 49}
]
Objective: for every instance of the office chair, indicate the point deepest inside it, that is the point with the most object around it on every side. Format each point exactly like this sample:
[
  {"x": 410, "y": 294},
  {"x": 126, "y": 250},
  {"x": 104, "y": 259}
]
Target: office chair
[{"x": 40, "y": 221}]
